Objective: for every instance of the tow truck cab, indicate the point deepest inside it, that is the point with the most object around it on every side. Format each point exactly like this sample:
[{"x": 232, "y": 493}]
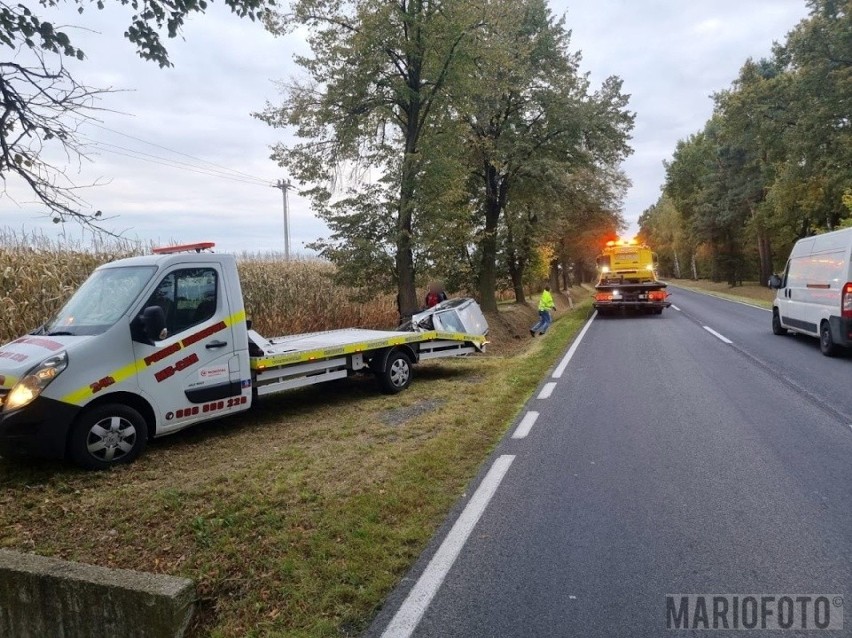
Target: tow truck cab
[{"x": 148, "y": 345}]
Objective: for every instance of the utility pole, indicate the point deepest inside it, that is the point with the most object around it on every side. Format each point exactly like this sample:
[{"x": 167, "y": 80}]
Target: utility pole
[{"x": 285, "y": 186}]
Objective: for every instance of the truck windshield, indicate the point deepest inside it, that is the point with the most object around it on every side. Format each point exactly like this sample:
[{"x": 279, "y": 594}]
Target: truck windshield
[{"x": 100, "y": 301}]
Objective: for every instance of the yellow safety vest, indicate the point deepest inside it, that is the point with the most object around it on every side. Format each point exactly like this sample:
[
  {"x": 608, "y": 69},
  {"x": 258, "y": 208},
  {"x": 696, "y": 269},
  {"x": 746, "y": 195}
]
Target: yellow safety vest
[{"x": 546, "y": 301}]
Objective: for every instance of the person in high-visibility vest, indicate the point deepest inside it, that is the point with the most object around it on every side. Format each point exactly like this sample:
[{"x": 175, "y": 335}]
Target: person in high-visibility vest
[{"x": 545, "y": 305}]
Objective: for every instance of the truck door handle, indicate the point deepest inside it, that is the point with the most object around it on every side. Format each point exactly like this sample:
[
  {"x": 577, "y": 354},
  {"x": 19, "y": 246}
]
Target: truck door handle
[{"x": 216, "y": 344}]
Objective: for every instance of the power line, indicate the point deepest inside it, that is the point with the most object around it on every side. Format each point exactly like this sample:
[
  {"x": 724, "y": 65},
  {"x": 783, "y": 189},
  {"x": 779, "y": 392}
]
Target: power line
[
  {"x": 173, "y": 163},
  {"x": 171, "y": 150},
  {"x": 187, "y": 168}
]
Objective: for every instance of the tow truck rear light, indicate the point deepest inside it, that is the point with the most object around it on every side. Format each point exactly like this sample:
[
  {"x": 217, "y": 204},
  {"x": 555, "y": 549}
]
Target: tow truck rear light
[
  {"x": 657, "y": 295},
  {"x": 846, "y": 301},
  {"x": 603, "y": 296}
]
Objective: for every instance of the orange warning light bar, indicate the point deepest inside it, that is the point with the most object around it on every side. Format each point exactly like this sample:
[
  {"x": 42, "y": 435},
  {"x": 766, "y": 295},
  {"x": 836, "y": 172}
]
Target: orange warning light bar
[{"x": 622, "y": 242}]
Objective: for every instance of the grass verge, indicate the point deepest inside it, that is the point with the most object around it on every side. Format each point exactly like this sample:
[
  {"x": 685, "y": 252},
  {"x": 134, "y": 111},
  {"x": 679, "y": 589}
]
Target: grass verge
[
  {"x": 300, "y": 517},
  {"x": 749, "y": 292}
]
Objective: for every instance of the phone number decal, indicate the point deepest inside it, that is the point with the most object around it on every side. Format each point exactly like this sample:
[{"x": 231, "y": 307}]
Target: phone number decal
[{"x": 179, "y": 366}]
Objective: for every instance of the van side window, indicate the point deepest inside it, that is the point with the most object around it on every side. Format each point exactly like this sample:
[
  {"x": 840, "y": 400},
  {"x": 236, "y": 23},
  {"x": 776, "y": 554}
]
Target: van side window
[
  {"x": 188, "y": 297},
  {"x": 797, "y": 272},
  {"x": 786, "y": 275}
]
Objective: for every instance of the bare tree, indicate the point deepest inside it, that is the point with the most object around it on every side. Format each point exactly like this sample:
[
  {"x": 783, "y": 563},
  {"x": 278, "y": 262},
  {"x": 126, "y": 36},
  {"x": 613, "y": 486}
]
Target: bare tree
[
  {"x": 43, "y": 105},
  {"x": 37, "y": 108}
]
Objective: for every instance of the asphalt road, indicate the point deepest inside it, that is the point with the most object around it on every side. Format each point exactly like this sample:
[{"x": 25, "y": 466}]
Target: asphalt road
[{"x": 664, "y": 461}]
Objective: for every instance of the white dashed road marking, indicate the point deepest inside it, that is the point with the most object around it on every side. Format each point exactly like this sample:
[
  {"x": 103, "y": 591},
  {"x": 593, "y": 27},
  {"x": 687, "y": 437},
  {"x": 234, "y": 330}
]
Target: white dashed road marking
[
  {"x": 674, "y": 307},
  {"x": 547, "y": 390},
  {"x": 525, "y": 425},
  {"x": 717, "y": 335}
]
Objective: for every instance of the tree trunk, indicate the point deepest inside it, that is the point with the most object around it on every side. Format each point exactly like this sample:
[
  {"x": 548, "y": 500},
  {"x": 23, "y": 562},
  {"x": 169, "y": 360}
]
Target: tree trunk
[
  {"x": 516, "y": 267},
  {"x": 554, "y": 275},
  {"x": 580, "y": 271},
  {"x": 516, "y": 272},
  {"x": 764, "y": 251},
  {"x": 676, "y": 266},
  {"x": 488, "y": 265},
  {"x": 694, "y": 268},
  {"x": 404, "y": 255},
  {"x": 495, "y": 193},
  {"x": 566, "y": 282},
  {"x": 407, "y": 298}
]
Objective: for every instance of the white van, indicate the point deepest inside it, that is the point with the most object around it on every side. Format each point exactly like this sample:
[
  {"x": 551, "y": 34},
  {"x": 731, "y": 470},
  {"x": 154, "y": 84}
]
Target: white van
[{"x": 814, "y": 295}]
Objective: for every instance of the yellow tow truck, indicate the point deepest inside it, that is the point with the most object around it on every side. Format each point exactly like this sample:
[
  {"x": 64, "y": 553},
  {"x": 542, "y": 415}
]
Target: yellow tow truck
[{"x": 627, "y": 271}]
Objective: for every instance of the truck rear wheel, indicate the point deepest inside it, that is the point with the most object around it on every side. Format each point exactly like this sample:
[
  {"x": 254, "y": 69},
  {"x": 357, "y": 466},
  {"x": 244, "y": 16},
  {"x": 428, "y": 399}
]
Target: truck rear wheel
[
  {"x": 107, "y": 435},
  {"x": 826, "y": 341},
  {"x": 396, "y": 376}
]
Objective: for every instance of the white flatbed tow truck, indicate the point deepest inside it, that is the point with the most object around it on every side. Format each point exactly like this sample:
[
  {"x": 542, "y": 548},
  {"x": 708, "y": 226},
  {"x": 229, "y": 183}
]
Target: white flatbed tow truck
[{"x": 150, "y": 345}]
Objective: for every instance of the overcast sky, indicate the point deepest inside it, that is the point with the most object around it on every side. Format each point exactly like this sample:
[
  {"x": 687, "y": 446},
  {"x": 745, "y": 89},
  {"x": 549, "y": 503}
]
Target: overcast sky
[{"x": 672, "y": 55}]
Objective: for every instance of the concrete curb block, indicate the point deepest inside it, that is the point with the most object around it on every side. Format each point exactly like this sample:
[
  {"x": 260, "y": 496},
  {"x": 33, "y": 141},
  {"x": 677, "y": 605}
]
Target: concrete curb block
[{"x": 44, "y": 597}]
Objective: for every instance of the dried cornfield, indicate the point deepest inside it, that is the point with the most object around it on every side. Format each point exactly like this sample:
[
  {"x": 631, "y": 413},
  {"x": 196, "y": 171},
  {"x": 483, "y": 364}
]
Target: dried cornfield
[
  {"x": 38, "y": 275},
  {"x": 301, "y": 296}
]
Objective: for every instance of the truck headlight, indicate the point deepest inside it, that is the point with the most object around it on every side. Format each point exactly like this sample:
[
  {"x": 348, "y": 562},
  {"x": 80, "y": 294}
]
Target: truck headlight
[
  {"x": 605, "y": 269},
  {"x": 649, "y": 267},
  {"x": 35, "y": 381}
]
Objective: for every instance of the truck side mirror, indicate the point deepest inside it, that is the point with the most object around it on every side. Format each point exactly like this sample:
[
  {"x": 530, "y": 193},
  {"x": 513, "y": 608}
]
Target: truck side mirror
[
  {"x": 775, "y": 282},
  {"x": 153, "y": 321}
]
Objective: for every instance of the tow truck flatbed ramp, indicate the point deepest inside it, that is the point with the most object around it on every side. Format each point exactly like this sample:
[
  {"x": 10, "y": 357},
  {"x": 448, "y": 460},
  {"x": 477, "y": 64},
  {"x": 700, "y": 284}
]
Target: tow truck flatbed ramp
[{"x": 298, "y": 360}]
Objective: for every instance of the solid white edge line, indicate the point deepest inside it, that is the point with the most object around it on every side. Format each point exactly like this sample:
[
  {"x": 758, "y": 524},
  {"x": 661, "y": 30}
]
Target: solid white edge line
[
  {"x": 525, "y": 425},
  {"x": 547, "y": 390},
  {"x": 674, "y": 307},
  {"x": 408, "y": 616},
  {"x": 560, "y": 369},
  {"x": 717, "y": 335}
]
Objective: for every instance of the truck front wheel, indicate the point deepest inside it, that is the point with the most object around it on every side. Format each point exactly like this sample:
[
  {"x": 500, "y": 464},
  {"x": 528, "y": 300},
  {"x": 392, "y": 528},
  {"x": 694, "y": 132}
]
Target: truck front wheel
[
  {"x": 777, "y": 328},
  {"x": 396, "y": 376},
  {"x": 107, "y": 435}
]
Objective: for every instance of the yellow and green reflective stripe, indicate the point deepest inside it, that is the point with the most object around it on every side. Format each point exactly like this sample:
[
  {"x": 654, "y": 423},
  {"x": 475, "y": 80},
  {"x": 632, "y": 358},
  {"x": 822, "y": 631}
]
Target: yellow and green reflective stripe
[{"x": 261, "y": 363}]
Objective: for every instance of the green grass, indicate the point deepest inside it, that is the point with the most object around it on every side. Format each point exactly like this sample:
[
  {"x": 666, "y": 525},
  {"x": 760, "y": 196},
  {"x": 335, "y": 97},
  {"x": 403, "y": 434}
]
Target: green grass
[
  {"x": 749, "y": 292},
  {"x": 299, "y": 518}
]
